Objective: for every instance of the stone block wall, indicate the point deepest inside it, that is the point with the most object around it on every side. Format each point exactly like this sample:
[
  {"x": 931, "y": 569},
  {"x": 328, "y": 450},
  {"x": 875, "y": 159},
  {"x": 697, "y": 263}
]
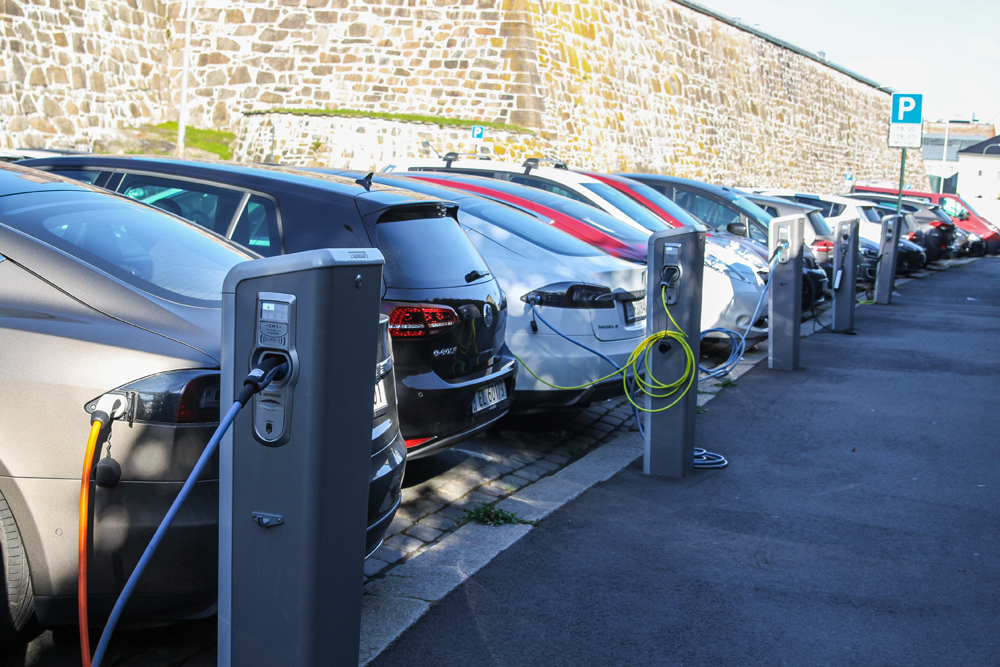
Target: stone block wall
[{"x": 74, "y": 71}]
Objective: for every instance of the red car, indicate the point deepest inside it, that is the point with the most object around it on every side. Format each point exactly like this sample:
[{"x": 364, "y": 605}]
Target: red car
[
  {"x": 585, "y": 222},
  {"x": 963, "y": 215}
]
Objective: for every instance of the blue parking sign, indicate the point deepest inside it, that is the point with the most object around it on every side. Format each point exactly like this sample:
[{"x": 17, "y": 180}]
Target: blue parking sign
[
  {"x": 907, "y": 109},
  {"x": 477, "y": 131}
]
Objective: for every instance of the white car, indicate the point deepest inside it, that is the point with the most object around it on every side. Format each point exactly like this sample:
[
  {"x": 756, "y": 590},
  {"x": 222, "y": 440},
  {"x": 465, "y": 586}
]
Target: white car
[
  {"x": 836, "y": 209},
  {"x": 730, "y": 295}
]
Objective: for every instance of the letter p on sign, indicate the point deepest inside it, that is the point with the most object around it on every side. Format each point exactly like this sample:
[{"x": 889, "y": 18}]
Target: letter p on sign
[{"x": 907, "y": 108}]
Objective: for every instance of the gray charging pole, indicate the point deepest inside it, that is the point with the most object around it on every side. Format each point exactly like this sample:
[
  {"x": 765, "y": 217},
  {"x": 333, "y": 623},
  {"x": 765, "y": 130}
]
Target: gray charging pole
[
  {"x": 885, "y": 277},
  {"x": 785, "y": 298},
  {"x": 845, "y": 272},
  {"x": 294, "y": 468},
  {"x": 675, "y": 257}
]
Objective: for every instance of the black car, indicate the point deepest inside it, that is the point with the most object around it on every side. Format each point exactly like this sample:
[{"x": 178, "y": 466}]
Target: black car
[
  {"x": 729, "y": 210},
  {"x": 933, "y": 229},
  {"x": 447, "y": 314}
]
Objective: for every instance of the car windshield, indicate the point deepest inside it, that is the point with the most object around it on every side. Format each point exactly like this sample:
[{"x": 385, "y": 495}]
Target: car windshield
[
  {"x": 755, "y": 212},
  {"x": 629, "y": 206},
  {"x": 528, "y": 227},
  {"x": 664, "y": 202},
  {"x": 154, "y": 252}
]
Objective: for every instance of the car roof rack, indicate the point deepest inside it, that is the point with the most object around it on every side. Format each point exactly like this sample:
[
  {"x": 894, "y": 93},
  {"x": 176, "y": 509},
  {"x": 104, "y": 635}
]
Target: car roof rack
[
  {"x": 452, "y": 156},
  {"x": 535, "y": 162}
]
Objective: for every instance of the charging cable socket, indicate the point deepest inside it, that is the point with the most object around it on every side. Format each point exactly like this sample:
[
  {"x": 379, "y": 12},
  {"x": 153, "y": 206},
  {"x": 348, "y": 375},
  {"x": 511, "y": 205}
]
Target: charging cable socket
[
  {"x": 670, "y": 273},
  {"x": 109, "y": 407}
]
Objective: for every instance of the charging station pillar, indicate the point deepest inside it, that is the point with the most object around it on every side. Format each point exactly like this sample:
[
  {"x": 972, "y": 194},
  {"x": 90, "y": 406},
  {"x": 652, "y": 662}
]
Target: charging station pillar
[
  {"x": 294, "y": 469},
  {"x": 785, "y": 298},
  {"x": 885, "y": 276},
  {"x": 845, "y": 271},
  {"x": 675, "y": 257}
]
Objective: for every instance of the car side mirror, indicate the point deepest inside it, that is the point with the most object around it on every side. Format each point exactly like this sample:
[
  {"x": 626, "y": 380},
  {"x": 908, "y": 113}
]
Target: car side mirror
[
  {"x": 737, "y": 228},
  {"x": 963, "y": 215}
]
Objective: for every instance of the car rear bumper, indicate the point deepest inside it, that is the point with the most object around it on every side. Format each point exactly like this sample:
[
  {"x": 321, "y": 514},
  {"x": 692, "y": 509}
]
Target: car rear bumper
[{"x": 560, "y": 362}]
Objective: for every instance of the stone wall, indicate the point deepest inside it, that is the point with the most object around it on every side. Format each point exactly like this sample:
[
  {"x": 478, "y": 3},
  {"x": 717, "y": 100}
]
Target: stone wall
[
  {"x": 652, "y": 85},
  {"x": 74, "y": 71}
]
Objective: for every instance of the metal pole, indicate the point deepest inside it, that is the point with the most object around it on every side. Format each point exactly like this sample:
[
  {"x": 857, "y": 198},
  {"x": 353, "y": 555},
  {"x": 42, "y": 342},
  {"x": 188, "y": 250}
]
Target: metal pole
[
  {"x": 182, "y": 114},
  {"x": 944, "y": 156},
  {"x": 902, "y": 172}
]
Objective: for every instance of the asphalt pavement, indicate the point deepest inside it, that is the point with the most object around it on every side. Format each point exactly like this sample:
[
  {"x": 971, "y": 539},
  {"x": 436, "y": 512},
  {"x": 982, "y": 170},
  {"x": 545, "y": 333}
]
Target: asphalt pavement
[{"x": 856, "y": 524}]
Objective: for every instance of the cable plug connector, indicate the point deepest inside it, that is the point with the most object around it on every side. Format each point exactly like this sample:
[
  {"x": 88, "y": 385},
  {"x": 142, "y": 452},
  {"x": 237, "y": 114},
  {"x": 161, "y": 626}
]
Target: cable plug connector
[
  {"x": 267, "y": 370},
  {"x": 109, "y": 407}
]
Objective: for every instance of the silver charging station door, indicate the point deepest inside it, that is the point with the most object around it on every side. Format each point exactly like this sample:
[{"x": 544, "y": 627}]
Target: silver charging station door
[
  {"x": 785, "y": 298},
  {"x": 845, "y": 271},
  {"x": 294, "y": 468},
  {"x": 885, "y": 275},
  {"x": 675, "y": 262}
]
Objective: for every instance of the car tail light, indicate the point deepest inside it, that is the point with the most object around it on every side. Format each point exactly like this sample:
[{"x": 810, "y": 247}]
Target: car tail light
[
  {"x": 416, "y": 441},
  {"x": 175, "y": 397},
  {"x": 936, "y": 223},
  {"x": 912, "y": 236},
  {"x": 565, "y": 295},
  {"x": 822, "y": 246},
  {"x": 420, "y": 321}
]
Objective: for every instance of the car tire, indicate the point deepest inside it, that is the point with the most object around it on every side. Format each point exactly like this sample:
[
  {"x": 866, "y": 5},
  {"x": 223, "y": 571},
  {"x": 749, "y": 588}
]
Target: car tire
[{"x": 16, "y": 576}]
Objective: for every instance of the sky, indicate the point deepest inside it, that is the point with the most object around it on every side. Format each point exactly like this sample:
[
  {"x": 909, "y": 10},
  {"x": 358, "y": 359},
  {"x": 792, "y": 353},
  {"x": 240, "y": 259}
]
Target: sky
[{"x": 948, "y": 50}]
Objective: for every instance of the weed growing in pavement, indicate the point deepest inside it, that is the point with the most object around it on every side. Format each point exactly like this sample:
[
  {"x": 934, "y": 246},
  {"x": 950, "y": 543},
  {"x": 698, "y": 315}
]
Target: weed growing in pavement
[
  {"x": 725, "y": 383},
  {"x": 702, "y": 410},
  {"x": 489, "y": 515}
]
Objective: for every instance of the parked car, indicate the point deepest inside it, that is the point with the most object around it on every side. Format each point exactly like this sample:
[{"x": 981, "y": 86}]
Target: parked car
[
  {"x": 933, "y": 229},
  {"x": 818, "y": 234},
  {"x": 594, "y": 298},
  {"x": 99, "y": 294},
  {"x": 963, "y": 215},
  {"x": 447, "y": 314},
  {"x": 731, "y": 288},
  {"x": 727, "y": 209}
]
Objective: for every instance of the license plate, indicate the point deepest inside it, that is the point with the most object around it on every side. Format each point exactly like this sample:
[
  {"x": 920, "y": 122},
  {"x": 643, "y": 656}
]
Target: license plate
[
  {"x": 381, "y": 403},
  {"x": 635, "y": 311},
  {"x": 488, "y": 397}
]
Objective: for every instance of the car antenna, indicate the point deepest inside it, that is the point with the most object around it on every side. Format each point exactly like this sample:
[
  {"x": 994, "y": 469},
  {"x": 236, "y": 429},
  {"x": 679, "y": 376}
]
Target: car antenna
[
  {"x": 366, "y": 182},
  {"x": 427, "y": 144}
]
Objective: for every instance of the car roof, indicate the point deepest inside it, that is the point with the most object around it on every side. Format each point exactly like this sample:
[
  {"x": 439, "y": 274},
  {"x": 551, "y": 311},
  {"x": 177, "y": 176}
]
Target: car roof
[
  {"x": 253, "y": 176},
  {"x": 720, "y": 190},
  {"x": 17, "y": 178},
  {"x": 833, "y": 199},
  {"x": 558, "y": 174},
  {"x": 780, "y": 201}
]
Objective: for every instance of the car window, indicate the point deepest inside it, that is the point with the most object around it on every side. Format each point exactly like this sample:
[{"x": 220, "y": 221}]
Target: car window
[
  {"x": 770, "y": 210},
  {"x": 208, "y": 205},
  {"x": 870, "y": 214},
  {"x": 629, "y": 206},
  {"x": 819, "y": 224},
  {"x": 528, "y": 227},
  {"x": 707, "y": 210},
  {"x": 823, "y": 206},
  {"x": 257, "y": 227},
  {"x": 157, "y": 253},
  {"x": 85, "y": 175},
  {"x": 596, "y": 218},
  {"x": 666, "y": 203},
  {"x": 425, "y": 247},
  {"x": 545, "y": 184}
]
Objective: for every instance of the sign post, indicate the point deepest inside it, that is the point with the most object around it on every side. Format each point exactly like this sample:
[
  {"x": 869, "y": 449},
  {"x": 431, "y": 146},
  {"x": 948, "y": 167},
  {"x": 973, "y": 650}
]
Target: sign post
[{"x": 905, "y": 130}]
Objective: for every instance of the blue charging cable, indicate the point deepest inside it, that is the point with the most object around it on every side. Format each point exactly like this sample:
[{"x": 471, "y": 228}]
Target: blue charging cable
[{"x": 258, "y": 379}]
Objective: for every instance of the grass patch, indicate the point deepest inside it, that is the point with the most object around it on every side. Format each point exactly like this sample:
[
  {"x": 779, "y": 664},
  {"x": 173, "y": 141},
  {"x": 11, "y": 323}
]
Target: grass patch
[
  {"x": 725, "y": 383},
  {"x": 489, "y": 515},
  {"x": 213, "y": 141},
  {"x": 405, "y": 117}
]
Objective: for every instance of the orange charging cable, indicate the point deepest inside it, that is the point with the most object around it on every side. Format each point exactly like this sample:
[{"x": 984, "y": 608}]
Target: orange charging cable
[{"x": 88, "y": 461}]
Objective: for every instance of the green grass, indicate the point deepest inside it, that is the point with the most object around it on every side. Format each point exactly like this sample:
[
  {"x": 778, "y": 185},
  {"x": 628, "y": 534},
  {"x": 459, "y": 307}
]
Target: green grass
[
  {"x": 406, "y": 117},
  {"x": 213, "y": 141},
  {"x": 726, "y": 382},
  {"x": 489, "y": 515}
]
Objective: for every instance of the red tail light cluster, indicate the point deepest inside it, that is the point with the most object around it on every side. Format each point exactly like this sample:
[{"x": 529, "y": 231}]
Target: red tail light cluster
[
  {"x": 936, "y": 223},
  {"x": 912, "y": 236},
  {"x": 822, "y": 246},
  {"x": 420, "y": 321}
]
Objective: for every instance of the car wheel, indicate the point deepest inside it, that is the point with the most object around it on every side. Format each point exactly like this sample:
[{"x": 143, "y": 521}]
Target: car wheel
[{"x": 16, "y": 575}]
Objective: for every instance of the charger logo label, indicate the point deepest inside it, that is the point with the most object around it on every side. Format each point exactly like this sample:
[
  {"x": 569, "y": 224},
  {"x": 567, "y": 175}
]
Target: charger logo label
[{"x": 358, "y": 255}]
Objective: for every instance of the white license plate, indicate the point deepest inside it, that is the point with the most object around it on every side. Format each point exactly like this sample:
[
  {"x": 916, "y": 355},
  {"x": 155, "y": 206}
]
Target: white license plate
[
  {"x": 487, "y": 397},
  {"x": 381, "y": 403},
  {"x": 635, "y": 311}
]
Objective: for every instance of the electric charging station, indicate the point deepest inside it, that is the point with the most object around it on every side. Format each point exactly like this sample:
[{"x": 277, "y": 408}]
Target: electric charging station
[
  {"x": 785, "y": 300},
  {"x": 885, "y": 276},
  {"x": 845, "y": 271},
  {"x": 675, "y": 257},
  {"x": 294, "y": 468}
]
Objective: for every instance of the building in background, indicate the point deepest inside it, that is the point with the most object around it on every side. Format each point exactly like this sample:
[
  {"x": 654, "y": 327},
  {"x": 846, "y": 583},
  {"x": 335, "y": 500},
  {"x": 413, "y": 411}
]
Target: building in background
[
  {"x": 979, "y": 177},
  {"x": 941, "y": 144}
]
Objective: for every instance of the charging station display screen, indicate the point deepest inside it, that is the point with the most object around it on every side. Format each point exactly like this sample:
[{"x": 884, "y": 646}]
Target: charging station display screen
[{"x": 274, "y": 312}]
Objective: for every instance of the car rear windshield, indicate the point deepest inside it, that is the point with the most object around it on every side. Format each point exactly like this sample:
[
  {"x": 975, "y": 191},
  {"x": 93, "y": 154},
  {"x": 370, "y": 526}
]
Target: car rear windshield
[
  {"x": 596, "y": 218},
  {"x": 629, "y": 206},
  {"x": 425, "y": 247},
  {"x": 156, "y": 253},
  {"x": 818, "y": 223},
  {"x": 529, "y": 228}
]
